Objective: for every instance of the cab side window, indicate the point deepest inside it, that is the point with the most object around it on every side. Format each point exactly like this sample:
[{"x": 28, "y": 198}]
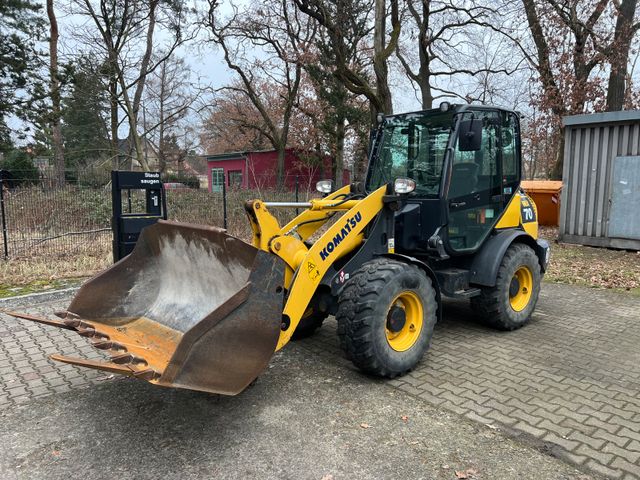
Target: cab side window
[
  {"x": 478, "y": 171},
  {"x": 510, "y": 155}
]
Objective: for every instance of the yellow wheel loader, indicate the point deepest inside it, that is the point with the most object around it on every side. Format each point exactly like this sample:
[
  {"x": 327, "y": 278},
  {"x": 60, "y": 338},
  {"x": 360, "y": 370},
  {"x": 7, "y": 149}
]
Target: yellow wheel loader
[{"x": 440, "y": 213}]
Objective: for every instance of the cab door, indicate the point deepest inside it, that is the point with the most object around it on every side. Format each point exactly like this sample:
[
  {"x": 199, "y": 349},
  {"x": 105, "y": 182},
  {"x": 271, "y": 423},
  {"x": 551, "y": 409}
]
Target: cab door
[{"x": 478, "y": 192}]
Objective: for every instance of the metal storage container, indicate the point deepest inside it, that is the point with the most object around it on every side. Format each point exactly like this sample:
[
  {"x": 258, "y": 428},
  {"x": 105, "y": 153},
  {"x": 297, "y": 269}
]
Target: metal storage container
[{"x": 600, "y": 202}]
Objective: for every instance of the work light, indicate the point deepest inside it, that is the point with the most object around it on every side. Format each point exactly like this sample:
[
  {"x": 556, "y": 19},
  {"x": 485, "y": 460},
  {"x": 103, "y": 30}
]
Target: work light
[
  {"x": 403, "y": 185},
  {"x": 325, "y": 186}
]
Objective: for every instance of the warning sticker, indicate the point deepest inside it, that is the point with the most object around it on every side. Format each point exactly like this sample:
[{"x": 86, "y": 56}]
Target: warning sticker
[{"x": 312, "y": 271}]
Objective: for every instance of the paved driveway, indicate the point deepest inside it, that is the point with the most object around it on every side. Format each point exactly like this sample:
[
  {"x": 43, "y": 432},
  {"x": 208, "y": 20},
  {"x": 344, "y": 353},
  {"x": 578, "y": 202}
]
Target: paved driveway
[
  {"x": 567, "y": 385},
  {"x": 569, "y": 382}
]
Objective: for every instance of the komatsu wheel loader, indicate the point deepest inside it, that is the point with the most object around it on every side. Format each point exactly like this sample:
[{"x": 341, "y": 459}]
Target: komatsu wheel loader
[{"x": 441, "y": 213}]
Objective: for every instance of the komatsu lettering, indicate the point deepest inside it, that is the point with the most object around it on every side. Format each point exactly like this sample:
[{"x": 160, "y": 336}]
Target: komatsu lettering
[{"x": 349, "y": 225}]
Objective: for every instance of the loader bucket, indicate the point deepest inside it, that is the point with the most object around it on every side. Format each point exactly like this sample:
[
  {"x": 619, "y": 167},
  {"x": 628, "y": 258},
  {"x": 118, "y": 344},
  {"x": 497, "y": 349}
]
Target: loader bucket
[{"x": 191, "y": 307}]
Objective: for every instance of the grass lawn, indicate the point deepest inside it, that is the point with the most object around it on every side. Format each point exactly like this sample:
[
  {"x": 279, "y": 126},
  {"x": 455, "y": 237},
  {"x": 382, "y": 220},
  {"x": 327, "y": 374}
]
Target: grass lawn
[{"x": 39, "y": 273}]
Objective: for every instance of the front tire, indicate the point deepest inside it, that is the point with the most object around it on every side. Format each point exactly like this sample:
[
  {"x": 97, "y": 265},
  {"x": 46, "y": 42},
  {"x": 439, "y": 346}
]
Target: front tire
[
  {"x": 511, "y": 302},
  {"x": 386, "y": 315}
]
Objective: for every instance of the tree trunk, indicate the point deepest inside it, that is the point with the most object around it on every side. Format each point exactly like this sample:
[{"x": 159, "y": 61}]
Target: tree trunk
[
  {"x": 338, "y": 161},
  {"x": 543, "y": 55},
  {"x": 54, "y": 83},
  {"x": 556, "y": 171},
  {"x": 113, "y": 107},
  {"x": 162, "y": 157},
  {"x": 134, "y": 108},
  {"x": 424, "y": 73},
  {"x": 620, "y": 55},
  {"x": 282, "y": 151},
  {"x": 134, "y": 136},
  {"x": 380, "y": 66}
]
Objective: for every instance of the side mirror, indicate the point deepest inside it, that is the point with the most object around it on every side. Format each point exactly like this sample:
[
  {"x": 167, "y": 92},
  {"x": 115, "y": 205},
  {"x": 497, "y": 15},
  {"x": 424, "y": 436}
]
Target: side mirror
[{"x": 470, "y": 135}]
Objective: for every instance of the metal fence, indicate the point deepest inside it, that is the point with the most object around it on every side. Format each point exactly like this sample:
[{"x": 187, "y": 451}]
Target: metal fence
[{"x": 39, "y": 219}]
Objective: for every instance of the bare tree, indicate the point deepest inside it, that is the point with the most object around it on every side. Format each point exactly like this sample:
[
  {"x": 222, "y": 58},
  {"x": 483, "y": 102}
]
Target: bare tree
[
  {"x": 347, "y": 23},
  {"x": 283, "y": 38},
  {"x": 233, "y": 124},
  {"x": 168, "y": 99},
  {"x": 126, "y": 33},
  {"x": 54, "y": 87},
  {"x": 441, "y": 40},
  {"x": 566, "y": 47}
]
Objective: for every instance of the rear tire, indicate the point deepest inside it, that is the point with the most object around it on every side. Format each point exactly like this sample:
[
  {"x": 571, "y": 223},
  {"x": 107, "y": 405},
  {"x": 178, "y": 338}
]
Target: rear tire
[
  {"x": 308, "y": 325},
  {"x": 386, "y": 315},
  {"x": 510, "y": 304}
]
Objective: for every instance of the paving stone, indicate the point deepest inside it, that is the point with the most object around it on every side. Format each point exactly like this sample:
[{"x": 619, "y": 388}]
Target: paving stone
[
  {"x": 499, "y": 417},
  {"x": 587, "y": 440},
  {"x": 631, "y": 434},
  {"x": 568, "y": 445},
  {"x": 630, "y": 455},
  {"x": 627, "y": 467},
  {"x": 556, "y": 428},
  {"x": 608, "y": 472},
  {"x": 603, "y": 426},
  {"x": 615, "y": 439},
  {"x": 16, "y": 391},
  {"x": 531, "y": 430},
  {"x": 530, "y": 419},
  {"x": 602, "y": 457}
]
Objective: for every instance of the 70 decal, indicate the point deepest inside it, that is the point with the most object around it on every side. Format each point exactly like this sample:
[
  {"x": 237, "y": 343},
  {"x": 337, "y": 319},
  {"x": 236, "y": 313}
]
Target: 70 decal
[{"x": 528, "y": 212}]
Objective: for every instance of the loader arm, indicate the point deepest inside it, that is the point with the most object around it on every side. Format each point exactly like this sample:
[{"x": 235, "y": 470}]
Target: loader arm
[{"x": 306, "y": 266}]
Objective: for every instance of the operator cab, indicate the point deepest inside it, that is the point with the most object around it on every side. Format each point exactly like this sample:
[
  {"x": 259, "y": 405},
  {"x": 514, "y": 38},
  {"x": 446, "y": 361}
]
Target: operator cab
[{"x": 465, "y": 161}]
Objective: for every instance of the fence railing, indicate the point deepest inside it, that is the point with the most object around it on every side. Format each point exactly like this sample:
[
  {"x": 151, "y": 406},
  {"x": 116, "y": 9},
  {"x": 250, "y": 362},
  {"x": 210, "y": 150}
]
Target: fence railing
[{"x": 40, "y": 220}]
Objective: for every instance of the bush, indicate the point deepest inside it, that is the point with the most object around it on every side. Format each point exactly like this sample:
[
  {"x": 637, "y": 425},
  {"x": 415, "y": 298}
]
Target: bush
[
  {"x": 189, "y": 180},
  {"x": 90, "y": 176},
  {"x": 21, "y": 167}
]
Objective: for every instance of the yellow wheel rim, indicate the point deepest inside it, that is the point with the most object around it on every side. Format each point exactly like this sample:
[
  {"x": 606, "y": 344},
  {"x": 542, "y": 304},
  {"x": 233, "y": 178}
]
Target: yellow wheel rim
[
  {"x": 521, "y": 289},
  {"x": 404, "y": 335}
]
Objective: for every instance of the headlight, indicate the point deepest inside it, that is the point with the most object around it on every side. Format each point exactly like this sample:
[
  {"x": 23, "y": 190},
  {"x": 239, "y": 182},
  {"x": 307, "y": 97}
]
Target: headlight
[
  {"x": 325, "y": 186},
  {"x": 403, "y": 185}
]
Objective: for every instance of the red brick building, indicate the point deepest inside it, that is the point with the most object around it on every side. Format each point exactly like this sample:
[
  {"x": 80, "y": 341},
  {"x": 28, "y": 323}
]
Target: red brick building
[{"x": 257, "y": 169}]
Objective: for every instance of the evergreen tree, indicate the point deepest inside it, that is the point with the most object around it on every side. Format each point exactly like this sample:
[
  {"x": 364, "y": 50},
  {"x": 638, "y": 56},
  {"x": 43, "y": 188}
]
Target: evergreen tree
[
  {"x": 21, "y": 25},
  {"x": 84, "y": 122},
  {"x": 6, "y": 143},
  {"x": 20, "y": 166}
]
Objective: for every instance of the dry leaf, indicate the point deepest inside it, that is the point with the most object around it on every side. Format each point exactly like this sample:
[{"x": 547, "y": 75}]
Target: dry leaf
[{"x": 464, "y": 474}]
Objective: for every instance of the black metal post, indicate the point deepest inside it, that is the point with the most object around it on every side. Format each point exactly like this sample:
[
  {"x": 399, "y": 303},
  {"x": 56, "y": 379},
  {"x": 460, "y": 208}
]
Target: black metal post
[
  {"x": 5, "y": 232},
  {"x": 163, "y": 194},
  {"x": 224, "y": 201},
  {"x": 116, "y": 214},
  {"x": 5, "y": 238},
  {"x": 297, "y": 188}
]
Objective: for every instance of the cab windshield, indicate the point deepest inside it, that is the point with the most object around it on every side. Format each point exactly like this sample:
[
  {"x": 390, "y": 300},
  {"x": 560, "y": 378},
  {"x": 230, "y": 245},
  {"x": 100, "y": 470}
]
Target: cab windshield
[{"x": 413, "y": 146}]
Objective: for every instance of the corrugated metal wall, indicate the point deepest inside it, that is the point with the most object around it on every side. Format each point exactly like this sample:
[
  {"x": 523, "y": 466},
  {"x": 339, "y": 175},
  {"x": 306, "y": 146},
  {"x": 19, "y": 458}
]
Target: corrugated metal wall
[{"x": 589, "y": 153}]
